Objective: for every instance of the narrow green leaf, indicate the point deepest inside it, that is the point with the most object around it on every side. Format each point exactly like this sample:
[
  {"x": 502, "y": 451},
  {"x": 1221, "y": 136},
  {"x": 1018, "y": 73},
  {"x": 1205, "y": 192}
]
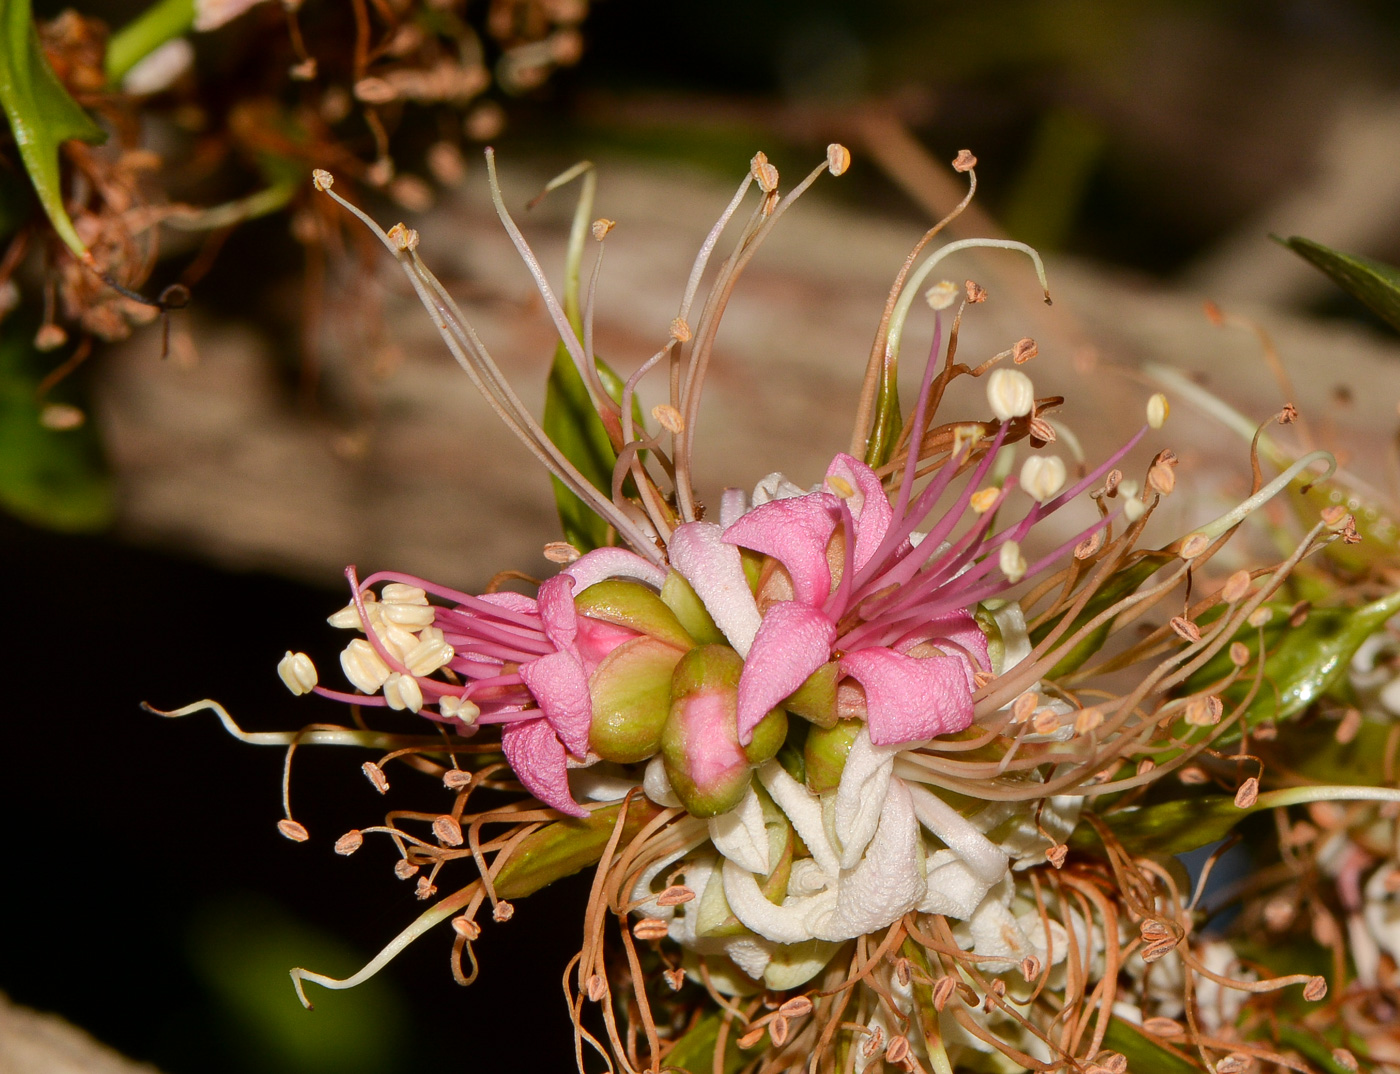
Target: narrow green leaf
[
  {"x": 889, "y": 422},
  {"x": 161, "y": 22},
  {"x": 565, "y": 847},
  {"x": 1168, "y": 828},
  {"x": 695, "y": 1052},
  {"x": 577, "y": 431},
  {"x": 47, "y": 477},
  {"x": 1374, "y": 283},
  {"x": 42, "y": 116},
  {"x": 1143, "y": 1052}
]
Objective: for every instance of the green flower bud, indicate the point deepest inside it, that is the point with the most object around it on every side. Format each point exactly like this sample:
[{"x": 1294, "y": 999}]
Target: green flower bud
[
  {"x": 631, "y": 692},
  {"x": 690, "y": 610},
  {"x": 825, "y": 754},
  {"x": 631, "y": 604},
  {"x": 815, "y": 699}
]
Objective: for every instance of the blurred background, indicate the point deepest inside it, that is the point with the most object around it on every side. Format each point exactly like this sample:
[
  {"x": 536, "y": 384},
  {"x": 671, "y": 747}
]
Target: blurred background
[{"x": 193, "y": 500}]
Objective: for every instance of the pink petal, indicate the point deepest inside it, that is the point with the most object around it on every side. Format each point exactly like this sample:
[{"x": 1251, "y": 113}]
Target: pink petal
[
  {"x": 909, "y": 699},
  {"x": 699, "y": 553},
  {"x": 793, "y": 642},
  {"x": 511, "y": 602},
  {"x": 537, "y": 757},
  {"x": 561, "y": 688},
  {"x": 962, "y": 630},
  {"x": 556, "y": 607},
  {"x": 604, "y": 563},
  {"x": 869, "y": 506},
  {"x": 795, "y": 532},
  {"x": 596, "y": 639}
]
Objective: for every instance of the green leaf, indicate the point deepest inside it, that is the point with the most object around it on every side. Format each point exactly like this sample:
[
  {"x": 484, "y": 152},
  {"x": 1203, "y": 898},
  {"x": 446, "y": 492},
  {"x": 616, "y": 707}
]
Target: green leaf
[
  {"x": 1168, "y": 828},
  {"x": 889, "y": 422},
  {"x": 47, "y": 477},
  {"x": 1301, "y": 663},
  {"x": 42, "y": 116},
  {"x": 1144, "y": 1052},
  {"x": 161, "y": 22},
  {"x": 564, "y": 847},
  {"x": 572, "y": 423},
  {"x": 695, "y": 1052},
  {"x": 1374, "y": 283}
]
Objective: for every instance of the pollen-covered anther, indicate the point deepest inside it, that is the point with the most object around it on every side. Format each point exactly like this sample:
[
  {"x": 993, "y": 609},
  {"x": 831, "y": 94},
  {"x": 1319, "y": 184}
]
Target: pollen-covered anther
[
  {"x": 964, "y": 161},
  {"x": 409, "y": 615},
  {"x": 778, "y": 1030},
  {"x": 363, "y": 666},
  {"x": 965, "y": 437},
  {"x": 838, "y": 158},
  {"x": 1248, "y": 793},
  {"x": 405, "y": 869},
  {"x": 1134, "y": 507},
  {"x": 1239, "y": 653},
  {"x": 1204, "y": 711},
  {"x": 764, "y": 173},
  {"x": 1089, "y": 546},
  {"x": 425, "y": 889},
  {"x": 975, "y": 292},
  {"x": 427, "y": 656},
  {"x": 983, "y": 500},
  {"x": 350, "y": 842},
  {"x": 1011, "y": 562},
  {"x": 1185, "y": 629},
  {"x": 297, "y": 833},
  {"x": 403, "y": 237},
  {"x": 1024, "y": 350},
  {"x": 465, "y": 927},
  {"x": 941, "y": 295},
  {"x": 503, "y": 911},
  {"x": 840, "y": 487},
  {"x": 675, "y": 978},
  {"x": 650, "y": 928},
  {"x": 403, "y": 692},
  {"x": 943, "y": 990},
  {"x": 297, "y": 672},
  {"x": 1042, "y": 476},
  {"x": 668, "y": 417},
  {"x": 376, "y": 776},
  {"x": 448, "y": 830},
  {"x": 1010, "y": 393},
  {"x": 1057, "y": 854},
  {"x": 1194, "y": 545},
  {"x": 458, "y": 708},
  {"x": 1030, "y": 968},
  {"x": 675, "y": 895},
  {"x": 601, "y": 227},
  {"x": 597, "y": 987},
  {"x": 321, "y": 179},
  {"x": 1157, "y": 410}
]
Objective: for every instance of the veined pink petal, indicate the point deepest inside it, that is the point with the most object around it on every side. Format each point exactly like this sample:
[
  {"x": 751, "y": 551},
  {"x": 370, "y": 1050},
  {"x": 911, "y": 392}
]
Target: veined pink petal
[
  {"x": 792, "y": 642},
  {"x": 561, "y": 688},
  {"x": 869, "y": 506},
  {"x": 712, "y": 567},
  {"x": 536, "y": 756},
  {"x": 603, "y": 563},
  {"x": 795, "y": 532},
  {"x": 911, "y": 699},
  {"x": 556, "y": 608}
]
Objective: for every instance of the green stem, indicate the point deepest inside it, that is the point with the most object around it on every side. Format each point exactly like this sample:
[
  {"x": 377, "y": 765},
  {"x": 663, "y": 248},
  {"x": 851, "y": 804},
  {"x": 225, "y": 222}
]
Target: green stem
[{"x": 158, "y": 24}]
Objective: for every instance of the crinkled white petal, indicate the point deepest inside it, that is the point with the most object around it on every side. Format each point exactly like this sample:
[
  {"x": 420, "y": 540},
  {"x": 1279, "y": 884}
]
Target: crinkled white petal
[
  {"x": 657, "y": 784},
  {"x": 986, "y": 860},
  {"x": 953, "y": 889},
  {"x": 741, "y": 836},
  {"x": 776, "y": 486},
  {"x": 750, "y": 955},
  {"x": 804, "y": 810},
  {"x": 864, "y": 784},
  {"x": 888, "y": 881},
  {"x": 793, "y": 922},
  {"x": 600, "y": 783}
]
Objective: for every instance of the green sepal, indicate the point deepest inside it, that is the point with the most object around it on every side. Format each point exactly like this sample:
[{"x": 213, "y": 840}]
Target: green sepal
[
  {"x": 1373, "y": 283},
  {"x": 768, "y": 737},
  {"x": 624, "y": 602},
  {"x": 753, "y": 564},
  {"x": 690, "y": 610},
  {"x": 564, "y": 847},
  {"x": 572, "y": 423},
  {"x": 825, "y": 753},
  {"x": 41, "y": 113},
  {"x": 631, "y": 691},
  {"x": 1301, "y": 663},
  {"x": 815, "y": 699}
]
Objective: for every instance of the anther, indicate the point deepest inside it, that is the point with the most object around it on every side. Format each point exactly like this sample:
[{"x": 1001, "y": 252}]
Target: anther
[
  {"x": 1111, "y": 482},
  {"x": 1089, "y": 546},
  {"x": 1315, "y": 989},
  {"x": 454, "y": 779},
  {"x": 597, "y": 987},
  {"x": 297, "y": 833},
  {"x": 1288, "y": 415},
  {"x": 448, "y": 830},
  {"x": 674, "y": 978},
  {"x": 1010, "y": 393},
  {"x": 297, "y": 672},
  {"x": 943, "y": 991},
  {"x": 1344, "y": 1059},
  {"x": 680, "y": 331},
  {"x": 403, "y": 237},
  {"x": 778, "y": 1030},
  {"x": 1235, "y": 1063},
  {"x": 1012, "y": 563},
  {"x": 1133, "y": 508},
  {"x": 376, "y": 775},
  {"x": 838, "y": 158},
  {"x": 1193, "y": 776},
  {"x": 975, "y": 292},
  {"x": 1056, "y": 855},
  {"x": 1042, "y": 431},
  {"x": 650, "y": 928},
  {"x": 1260, "y": 616},
  {"x": 752, "y": 1037},
  {"x": 1248, "y": 793},
  {"x": 873, "y": 1043},
  {"x": 561, "y": 552},
  {"x": 1239, "y": 653},
  {"x": 898, "y": 1049},
  {"x": 1046, "y": 722},
  {"x": 964, "y": 161},
  {"x": 1024, "y": 706},
  {"x": 1204, "y": 711},
  {"x": 840, "y": 487},
  {"x": 602, "y": 226},
  {"x": 801, "y": 1006},
  {"x": 675, "y": 895},
  {"x": 403, "y": 692},
  {"x": 1042, "y": 476},
  {"x": 1161, "y": 476},
  {"x": 363, "y": 666},
  {"x": 1030, "y": 968},
  {"x": 668, "y": 417},
  {"x": 458, "y": 708},
  {"x": 1088, "y": 720},
  {"x": 405, "y": 869},
  {"x": 350, "y": 842},
  {"x": 764, "y": 174},
  {"x": 982, "y": 678},
  {"x": 1235, "y": 587},
  {"x": 1194, "y": 545},
  {"x": 983, "y": 500},
  {"x": 941, "y": 295},
  {"x": 426, "y": 657},
  {"x": 1024, "y": 350},
  {"x": 1165, "y": 1028},
  {"x": 322, "y": 180},
  {"x": 1185, "y": 629},
  {"x": 1158, "y": 410},
  {"x": 465, "y": 927},
  {"x": 425, "y": 889},
  {"x": 503, "y": 912}
]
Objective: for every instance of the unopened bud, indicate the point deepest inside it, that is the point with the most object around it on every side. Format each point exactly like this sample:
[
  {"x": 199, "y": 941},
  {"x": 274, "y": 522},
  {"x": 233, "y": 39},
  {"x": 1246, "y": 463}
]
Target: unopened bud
[
  {"x": 1042, "y": 476},
  {"x": 838, "y": 158},
  {"x": 1158, "y": 410},
  {"x": 1010, "y": 393}
]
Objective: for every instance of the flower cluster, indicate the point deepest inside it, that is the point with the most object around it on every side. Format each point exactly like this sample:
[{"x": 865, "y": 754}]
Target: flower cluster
[{"x": 861, "y": 779}]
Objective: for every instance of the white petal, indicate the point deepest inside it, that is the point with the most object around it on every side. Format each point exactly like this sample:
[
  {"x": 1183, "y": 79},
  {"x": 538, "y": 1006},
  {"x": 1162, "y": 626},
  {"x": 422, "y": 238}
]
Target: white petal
[
  {"x": 741, "y": 836},
  {"x": 751, "y": 956},
  {"x": 775, "y": 486},
  {"x": 601, "y": 783},
  {"x": 1015, "y": 638},
  {"x": 781, "y": 924},
  {"x": 889, "y": 880},
  {"x": 732, "y": 505},
  {"x": 657, "y": 784},
  {"x": 953, "y": 889},
  {"x": 995, "y": 933},
  {"x": 986, "y": 860},
  {"x": 861, "y": 795},
  {"x": 804, "y": 810},
  {"x": 716, "y": 573}
]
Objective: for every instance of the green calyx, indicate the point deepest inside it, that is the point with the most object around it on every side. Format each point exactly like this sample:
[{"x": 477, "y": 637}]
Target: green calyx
[
  {"x": 631, "y": 692},
  {"x": 825, "y": 753},
  {"x": 630, "y": 604}
]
